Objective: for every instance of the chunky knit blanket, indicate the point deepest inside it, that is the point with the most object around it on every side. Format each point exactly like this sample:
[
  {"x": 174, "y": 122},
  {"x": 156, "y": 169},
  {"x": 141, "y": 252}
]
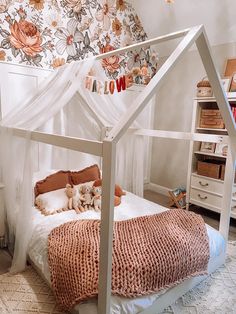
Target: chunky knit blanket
[{"x": 149, "y": 253}]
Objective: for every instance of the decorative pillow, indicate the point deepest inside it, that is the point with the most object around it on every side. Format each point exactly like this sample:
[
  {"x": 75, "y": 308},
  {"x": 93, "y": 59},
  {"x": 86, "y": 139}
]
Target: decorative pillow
[
  {"x": 91, "y": 173},
  {"x": 52, "y": 202},
  {"x": 53, "y": 182}
]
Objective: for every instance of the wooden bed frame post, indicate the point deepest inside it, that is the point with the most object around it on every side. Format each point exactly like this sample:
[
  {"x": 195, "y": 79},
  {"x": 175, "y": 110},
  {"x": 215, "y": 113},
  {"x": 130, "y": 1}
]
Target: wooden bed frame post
[
  {"x": 106, "y": 233},
  {"x": 227, "y": 194}
]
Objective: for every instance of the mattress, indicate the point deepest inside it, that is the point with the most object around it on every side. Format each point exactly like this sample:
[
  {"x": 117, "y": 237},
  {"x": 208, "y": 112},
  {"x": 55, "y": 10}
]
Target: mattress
[{"x": 131, "y": 206}]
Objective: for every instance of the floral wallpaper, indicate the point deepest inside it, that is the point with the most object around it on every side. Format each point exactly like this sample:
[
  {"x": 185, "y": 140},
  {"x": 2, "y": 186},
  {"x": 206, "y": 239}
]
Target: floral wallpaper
[{"x": 48, "y": 34}]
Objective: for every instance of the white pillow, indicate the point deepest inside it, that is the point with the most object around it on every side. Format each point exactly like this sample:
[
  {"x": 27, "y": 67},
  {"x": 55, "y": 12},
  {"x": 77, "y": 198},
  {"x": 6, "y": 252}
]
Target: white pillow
[
  {"x": 57, "y": 199},
  {"x": 53, "y": 200}
]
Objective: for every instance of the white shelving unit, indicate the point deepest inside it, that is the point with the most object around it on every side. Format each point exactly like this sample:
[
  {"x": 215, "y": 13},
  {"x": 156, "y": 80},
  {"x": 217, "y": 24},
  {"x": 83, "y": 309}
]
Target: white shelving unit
[{"x": 205, "y": 191}]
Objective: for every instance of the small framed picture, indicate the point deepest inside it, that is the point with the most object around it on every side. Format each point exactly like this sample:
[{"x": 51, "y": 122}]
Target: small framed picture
[
  {"x": 230, "y": 67},
  {"x": 207, "y": 147},
  {"x": 226, "y": 84},
  {"x": 221, "y": 149}
]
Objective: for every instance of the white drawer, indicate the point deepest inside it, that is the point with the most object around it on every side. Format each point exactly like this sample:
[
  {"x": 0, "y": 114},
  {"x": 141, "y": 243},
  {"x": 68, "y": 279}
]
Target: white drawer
[
  {"x": 205, "y": 199},
  {"x": 233, "y": 208},
  {"x": 207, "y": 185}
]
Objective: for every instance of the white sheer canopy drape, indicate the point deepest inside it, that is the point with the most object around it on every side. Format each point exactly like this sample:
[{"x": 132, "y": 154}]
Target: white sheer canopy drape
[{"x": 60, "y": 107}]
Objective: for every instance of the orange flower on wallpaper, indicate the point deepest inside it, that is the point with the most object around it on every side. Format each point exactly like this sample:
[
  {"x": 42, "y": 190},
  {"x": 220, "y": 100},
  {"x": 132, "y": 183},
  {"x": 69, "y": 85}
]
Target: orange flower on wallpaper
[
  {"x": 120, "y": 5},
  {"x": 25, "y": 36},
  {"x": 2, "y": 55},
  {"x": 58, "y": 62},
  {"x": 116, "y": 27},
  {"x": 111, "y": 64},
  {"x": 38, "y": 4}
]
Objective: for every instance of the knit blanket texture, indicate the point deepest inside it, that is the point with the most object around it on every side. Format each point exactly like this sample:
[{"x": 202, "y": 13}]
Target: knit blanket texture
[{"x": 150, "y": 253}]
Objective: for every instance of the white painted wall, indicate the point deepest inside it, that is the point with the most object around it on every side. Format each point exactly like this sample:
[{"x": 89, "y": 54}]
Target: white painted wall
[{"x": 174, "y": 112}]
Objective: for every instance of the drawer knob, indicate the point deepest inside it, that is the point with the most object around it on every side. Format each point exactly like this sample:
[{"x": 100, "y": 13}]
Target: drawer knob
[
  {"x": 203, "y": 184},
  {"x": 202, "y": 197}
]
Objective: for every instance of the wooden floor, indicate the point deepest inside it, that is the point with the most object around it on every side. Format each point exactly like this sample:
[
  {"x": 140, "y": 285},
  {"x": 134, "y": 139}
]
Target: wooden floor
[{"x": 210, "y": 218}]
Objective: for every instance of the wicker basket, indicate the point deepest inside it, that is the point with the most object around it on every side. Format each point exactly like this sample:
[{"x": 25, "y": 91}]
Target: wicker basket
[{"x": 204, "y": 88}]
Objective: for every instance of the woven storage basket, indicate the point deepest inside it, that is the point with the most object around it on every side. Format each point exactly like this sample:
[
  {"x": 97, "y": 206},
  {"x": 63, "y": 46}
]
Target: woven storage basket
[{"x": 204, "y": 88}]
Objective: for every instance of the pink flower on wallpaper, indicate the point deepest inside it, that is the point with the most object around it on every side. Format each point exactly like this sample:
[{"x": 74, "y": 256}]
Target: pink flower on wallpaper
[
  {"x": 107, "y": 11},
  {"x": 68, "y": 37},
  {"x": 25, "y": 36}
]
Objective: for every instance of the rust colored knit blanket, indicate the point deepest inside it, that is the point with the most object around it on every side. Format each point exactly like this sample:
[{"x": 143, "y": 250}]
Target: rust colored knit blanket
[{"x": 149, "y": 253}]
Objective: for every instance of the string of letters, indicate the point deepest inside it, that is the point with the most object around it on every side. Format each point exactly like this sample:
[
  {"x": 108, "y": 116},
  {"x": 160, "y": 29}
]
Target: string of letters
[{"x": 108, "y": 87}]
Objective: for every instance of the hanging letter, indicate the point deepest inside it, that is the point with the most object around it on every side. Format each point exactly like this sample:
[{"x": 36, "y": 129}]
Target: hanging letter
[
  {"x": 88, "y": 82},
  {"x": 99, "y": 87},
  {"x": 111, "y": 87},
  {"x": 128, "y": 80},
  {"x": 94, "y": 89},
  {"x": 106, "y": 91},
  {"x": 121, "y": 83}
]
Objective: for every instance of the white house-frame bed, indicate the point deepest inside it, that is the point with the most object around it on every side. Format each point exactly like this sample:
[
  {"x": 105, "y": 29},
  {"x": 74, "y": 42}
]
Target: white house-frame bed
[{"x": 107, "y": 150}]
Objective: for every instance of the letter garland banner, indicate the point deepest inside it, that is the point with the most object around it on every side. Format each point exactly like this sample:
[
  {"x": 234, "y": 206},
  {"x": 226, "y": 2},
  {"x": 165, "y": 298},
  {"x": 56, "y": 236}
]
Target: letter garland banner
[{"x": 109, "y": 87}]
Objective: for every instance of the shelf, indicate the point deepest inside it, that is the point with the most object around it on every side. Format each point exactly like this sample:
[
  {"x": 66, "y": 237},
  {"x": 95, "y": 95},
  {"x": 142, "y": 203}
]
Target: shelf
[
  {"x": 213, "y": 130},
  {"x": 213, "y": 99},
  {"x": 210, "y": 154}
]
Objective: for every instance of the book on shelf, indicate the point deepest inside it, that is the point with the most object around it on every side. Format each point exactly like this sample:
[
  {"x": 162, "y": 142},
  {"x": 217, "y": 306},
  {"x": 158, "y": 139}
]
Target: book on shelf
[{"x": 233, "y": 109}]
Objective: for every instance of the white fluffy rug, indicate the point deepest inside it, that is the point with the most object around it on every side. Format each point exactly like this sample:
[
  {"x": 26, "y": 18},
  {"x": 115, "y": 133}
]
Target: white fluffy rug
[{"x": 27, "y": 293}]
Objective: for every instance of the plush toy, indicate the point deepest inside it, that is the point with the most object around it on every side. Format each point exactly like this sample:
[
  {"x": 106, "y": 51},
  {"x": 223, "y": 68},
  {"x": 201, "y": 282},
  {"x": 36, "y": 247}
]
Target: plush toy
[
  {"x": 86, "y": 196},
  {"x": 74, "y": 201},
  {"x": 118, "y": 192},
  {"x": 96, "y": 200}
]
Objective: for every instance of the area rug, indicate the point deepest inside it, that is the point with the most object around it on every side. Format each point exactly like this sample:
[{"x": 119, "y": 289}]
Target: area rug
[
  {"x": 28, "y": 293},
  {"x": 215, "y": 295}
]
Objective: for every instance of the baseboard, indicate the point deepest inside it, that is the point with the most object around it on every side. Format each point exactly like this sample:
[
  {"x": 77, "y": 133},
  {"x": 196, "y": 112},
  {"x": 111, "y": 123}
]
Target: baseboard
[{"x": 156, "y": 188}]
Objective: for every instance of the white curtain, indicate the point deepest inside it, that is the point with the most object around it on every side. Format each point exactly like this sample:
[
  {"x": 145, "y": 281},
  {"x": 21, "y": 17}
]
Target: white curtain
[{"x": 60, "y": 107}]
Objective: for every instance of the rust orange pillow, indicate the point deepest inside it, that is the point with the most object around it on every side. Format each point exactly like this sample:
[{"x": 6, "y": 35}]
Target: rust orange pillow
[
  {"x": 91, "y": 173},
  {"x": 53, "y": 182}
]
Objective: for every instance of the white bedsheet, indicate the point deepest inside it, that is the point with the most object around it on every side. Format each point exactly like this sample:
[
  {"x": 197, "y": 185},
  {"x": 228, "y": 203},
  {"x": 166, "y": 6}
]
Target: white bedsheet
[{"x": 131, "y": 206}]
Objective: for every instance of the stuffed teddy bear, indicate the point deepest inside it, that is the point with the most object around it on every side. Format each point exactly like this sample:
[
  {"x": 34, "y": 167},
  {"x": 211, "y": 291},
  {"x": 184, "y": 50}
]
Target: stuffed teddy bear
[
  {"x": 96, "y": 200},
  {"x": 86, "y": 196},
  {"x": 74, "y": 201},
  {"x": 118, "y": 192}
]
